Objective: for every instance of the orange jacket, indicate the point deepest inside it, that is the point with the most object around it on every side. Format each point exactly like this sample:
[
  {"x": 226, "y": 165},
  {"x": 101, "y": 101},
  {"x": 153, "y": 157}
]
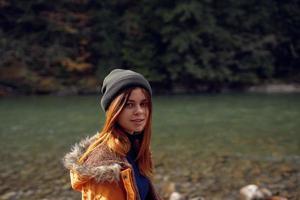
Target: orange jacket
[{"x": 104, "y": 175}]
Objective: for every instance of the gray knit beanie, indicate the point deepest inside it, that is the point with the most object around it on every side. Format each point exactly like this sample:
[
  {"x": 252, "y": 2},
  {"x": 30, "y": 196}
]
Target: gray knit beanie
[{"x": 118, "y": 80}]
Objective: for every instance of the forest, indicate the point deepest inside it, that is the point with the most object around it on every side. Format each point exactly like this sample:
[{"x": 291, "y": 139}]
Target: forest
[{"x": 69, "y": 46}]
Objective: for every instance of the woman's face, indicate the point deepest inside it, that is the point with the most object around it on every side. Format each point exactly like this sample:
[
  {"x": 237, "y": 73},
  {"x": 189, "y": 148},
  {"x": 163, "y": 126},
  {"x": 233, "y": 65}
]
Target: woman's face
[{"x": 134, "y": 116}]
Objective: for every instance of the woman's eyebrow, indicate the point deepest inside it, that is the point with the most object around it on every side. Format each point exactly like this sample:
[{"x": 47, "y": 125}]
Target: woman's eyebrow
[{"x": 131, "y": 100}]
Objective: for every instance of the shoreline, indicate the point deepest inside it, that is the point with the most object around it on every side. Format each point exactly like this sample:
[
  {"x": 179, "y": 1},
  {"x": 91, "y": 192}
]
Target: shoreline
[
  {"x": 271, "y": 88},
  {"x": 275, "y": 88}
]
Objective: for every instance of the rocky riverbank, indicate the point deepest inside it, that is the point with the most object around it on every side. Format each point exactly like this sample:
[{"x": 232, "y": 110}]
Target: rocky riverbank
[
  {"x": 216, "y": 177},
  {"x": 221, "y": 177}
]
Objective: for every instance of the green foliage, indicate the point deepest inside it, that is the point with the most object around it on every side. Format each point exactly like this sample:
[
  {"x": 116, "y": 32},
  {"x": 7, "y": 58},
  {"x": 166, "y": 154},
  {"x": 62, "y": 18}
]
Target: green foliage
[{"x": 195, "y": 45}]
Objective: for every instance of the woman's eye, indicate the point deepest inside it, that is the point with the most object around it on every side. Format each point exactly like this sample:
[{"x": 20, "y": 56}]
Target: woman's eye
[
  {"x": 145, "y": 104},
  {"x": 129, "y": 105}
]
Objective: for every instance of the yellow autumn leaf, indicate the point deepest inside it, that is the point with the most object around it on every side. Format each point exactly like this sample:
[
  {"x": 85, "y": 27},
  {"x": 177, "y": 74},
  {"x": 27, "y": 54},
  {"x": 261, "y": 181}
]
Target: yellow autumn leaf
[{"x": 72, "y": 65}]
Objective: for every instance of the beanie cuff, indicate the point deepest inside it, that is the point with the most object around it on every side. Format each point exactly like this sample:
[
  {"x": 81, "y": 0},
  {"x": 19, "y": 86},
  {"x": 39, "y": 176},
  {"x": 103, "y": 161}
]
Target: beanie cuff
[{"x": 115, "y": 88}]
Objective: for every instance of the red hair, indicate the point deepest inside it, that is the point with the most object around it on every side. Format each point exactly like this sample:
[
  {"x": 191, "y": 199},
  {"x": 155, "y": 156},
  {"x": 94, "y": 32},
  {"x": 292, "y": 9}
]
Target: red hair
[{"x": 116, "y": 139}]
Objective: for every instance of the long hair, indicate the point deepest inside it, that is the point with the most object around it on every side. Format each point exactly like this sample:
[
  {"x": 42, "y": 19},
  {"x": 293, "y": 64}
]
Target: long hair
[{"x": 116, "y": 139}]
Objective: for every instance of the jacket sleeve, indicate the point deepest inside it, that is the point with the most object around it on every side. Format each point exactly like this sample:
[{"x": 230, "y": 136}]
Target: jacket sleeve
[
  {"x": 93, "y": 190},
  {"x": 77, "y": 181}
]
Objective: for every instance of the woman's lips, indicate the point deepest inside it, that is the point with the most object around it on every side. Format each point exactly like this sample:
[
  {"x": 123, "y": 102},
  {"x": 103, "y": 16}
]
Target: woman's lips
[{"x": 138, "y": 121}]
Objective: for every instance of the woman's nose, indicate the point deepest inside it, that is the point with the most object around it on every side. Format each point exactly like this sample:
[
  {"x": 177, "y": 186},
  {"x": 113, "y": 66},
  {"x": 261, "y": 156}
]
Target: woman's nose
[{"x": 139, "y": 109}]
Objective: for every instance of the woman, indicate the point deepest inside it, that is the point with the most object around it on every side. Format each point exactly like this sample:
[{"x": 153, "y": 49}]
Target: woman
[{"x": 116, "y": 163}]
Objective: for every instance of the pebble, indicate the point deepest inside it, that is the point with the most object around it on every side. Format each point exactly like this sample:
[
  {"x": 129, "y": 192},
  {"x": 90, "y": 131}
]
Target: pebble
[
  {"x": 253, "y": 192},
  {"x": 28, "y": 193},
  {"x": 168, "y": 188},
  {"x": 277, "y": 198},
  {"x": 8, "y": 195},
  {"x": 197, "y": 198},
  {"x": 176, "y": 196}
]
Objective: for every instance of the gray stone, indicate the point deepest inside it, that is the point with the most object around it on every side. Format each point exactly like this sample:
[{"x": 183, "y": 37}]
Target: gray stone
[
  {"x": 8, "y": 195},
  {"x": 176, "y": 196}
]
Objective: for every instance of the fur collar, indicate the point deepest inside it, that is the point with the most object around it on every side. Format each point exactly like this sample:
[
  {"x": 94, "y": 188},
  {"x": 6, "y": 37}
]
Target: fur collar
[{"x": 102, "y": 164}]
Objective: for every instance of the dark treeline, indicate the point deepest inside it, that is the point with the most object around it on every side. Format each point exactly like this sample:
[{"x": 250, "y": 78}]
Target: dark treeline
[{"x": 70, "y": 45}]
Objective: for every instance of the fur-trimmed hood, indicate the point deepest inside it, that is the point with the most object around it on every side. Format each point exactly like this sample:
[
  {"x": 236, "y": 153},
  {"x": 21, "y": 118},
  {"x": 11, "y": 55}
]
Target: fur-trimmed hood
[{"x": 102, "y": 164}]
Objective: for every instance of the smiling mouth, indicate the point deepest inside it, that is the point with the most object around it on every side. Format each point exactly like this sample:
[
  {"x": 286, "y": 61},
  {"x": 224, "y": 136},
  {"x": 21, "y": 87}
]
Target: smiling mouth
[{"x": 138, "y": 120}]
